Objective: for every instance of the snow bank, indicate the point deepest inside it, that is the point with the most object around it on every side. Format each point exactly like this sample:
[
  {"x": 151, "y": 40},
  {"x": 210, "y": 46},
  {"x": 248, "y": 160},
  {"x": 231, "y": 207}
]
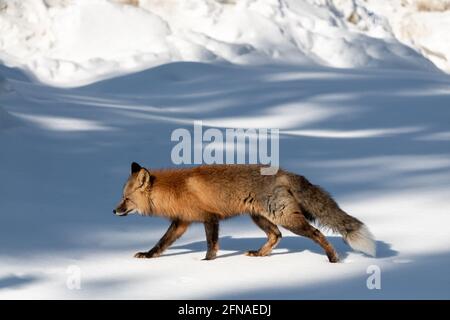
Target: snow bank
[
  {"x": 420, "y": 24},
  {"x": 77, "y": 42}
]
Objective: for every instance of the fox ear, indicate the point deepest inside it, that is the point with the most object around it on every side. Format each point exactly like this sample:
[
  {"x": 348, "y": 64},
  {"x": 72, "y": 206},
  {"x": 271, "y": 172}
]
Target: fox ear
[
  {"x": 135, "y": 167},
  {"x": 144, "y": 178}
]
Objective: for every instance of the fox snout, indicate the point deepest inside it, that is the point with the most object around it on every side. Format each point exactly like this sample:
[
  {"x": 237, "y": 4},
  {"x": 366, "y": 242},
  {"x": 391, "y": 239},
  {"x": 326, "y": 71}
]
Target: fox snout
[
  {"x": 120, "y": 210},
  {"x": 120, "y": 214}
]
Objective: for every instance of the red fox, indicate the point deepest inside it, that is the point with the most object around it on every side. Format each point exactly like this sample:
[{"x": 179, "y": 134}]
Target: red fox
[{"x": 209, "y": 193}]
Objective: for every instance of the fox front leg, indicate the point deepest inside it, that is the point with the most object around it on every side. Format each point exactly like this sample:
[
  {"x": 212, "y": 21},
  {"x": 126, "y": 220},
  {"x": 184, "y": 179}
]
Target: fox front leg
[
  {"x": 176, "y": 230},
  {"x": 212, "y": 238}
]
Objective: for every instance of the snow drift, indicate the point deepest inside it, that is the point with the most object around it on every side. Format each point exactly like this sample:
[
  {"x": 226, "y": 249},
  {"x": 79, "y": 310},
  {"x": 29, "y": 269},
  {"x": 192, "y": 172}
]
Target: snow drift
[
  {"x": 78, "y": 42},
  {"x": 420, "y": 24}
]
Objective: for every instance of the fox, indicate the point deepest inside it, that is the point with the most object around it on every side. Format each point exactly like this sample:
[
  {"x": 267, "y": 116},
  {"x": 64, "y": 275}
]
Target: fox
[{"x": 210, "y": 193}]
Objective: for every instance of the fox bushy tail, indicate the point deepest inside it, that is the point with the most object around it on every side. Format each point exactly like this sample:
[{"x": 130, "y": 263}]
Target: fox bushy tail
[{"x": 320, "y": 207}]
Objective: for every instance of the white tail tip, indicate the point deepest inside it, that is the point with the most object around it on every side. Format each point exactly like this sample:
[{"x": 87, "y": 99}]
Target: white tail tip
[{"x": 362, "y": 240}]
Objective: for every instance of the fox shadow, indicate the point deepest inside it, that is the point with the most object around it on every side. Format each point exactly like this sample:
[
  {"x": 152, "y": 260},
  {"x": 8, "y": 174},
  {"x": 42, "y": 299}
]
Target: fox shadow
[{"x": 289, "y": 244}]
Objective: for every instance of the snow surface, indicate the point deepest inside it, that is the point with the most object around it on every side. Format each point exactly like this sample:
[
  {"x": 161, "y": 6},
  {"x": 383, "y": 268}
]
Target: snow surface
[
  {"x": 362, "y": 115},
  {"x": 421, "y": 24},
  {"x": 72, "y": 44}
]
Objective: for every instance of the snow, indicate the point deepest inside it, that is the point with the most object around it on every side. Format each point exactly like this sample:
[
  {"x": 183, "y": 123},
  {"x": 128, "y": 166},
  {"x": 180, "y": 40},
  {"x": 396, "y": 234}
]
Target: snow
[
  {"x": 72, "y": 44},
  {"x": 362, "y": 115},
  {"x": 421, "y": 24},
  {"x": 62, "y": 124}
]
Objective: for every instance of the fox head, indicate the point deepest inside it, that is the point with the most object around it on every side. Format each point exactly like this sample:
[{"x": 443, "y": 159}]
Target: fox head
[{"x": 135, "y": 192}]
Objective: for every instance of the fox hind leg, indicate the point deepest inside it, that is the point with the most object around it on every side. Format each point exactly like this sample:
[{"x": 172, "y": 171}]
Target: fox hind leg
[
  {"x": 273, "y": 236},
  {"x": 283, "y": 209},
  {"x": 176, "y": 230},
  {"x": 212, "y": 238},
  {"x": 297, "y": 223}
]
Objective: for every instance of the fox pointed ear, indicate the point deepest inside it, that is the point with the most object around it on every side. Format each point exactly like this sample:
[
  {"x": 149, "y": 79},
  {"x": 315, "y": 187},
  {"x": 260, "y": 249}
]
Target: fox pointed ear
[
  {"x": 135, "y": 167},
  {"x": 144, "y": 178}
]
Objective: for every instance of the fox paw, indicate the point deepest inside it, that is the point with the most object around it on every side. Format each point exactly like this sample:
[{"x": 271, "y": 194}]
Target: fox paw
[
  {"x": 144, "y": 255},
  {"x": 210, "y": 257},
  {"x": 333, "y": 259},
  {"x": 254, "y": 253}
]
